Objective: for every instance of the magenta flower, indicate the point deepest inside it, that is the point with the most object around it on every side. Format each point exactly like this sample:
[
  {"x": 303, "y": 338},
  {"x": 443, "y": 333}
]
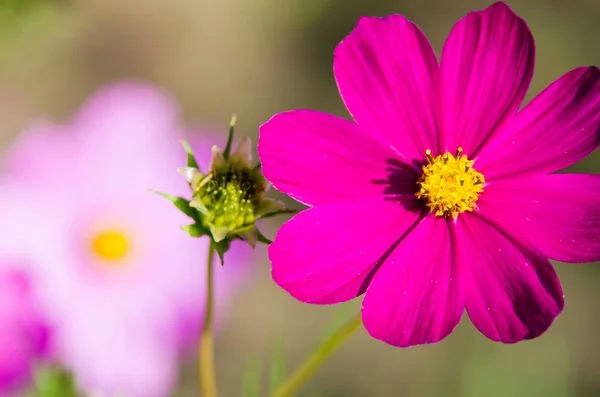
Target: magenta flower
[
  {"x": 121, "y": 282},
  {"x": 441, "y": 195},
  {"x": 24, "y": 333}
]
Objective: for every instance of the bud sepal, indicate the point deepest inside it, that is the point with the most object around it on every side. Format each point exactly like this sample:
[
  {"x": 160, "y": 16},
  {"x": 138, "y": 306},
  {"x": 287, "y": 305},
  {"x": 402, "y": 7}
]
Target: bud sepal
[{"x": 229, "y": 198}]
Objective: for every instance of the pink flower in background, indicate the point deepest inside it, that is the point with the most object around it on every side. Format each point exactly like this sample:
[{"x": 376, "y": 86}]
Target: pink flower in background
[
  {"x": 122, "y": 282},
  {"x": 441, "y": 195},
  {"x": 24, "y": 333}
]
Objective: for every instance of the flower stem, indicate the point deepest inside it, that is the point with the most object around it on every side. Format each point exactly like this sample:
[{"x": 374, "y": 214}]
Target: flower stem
[
  {"x": 293, "y": 384},
  {"x": 206, "y": 370}
]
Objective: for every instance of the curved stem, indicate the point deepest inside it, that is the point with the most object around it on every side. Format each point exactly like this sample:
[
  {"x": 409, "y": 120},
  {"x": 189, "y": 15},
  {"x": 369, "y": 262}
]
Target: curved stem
[
  {"x": 310, "y": 366},
  {"x": 206, "y": 370}
]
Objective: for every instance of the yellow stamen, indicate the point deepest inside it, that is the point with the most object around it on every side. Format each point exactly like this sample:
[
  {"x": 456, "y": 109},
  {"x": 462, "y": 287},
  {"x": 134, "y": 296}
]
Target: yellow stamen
[
  {"x": 449, "y": 185},
  {"x": 110, "y": 245}
]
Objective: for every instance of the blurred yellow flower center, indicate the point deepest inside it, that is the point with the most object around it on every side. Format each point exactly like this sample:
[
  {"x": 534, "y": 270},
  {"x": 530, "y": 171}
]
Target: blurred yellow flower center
[
  {"x": 110, "y": 245},
  {"x": 449, "y": 185}
]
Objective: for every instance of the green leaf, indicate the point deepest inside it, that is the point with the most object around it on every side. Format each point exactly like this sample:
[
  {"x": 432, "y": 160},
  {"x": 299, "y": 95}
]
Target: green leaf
[
  {"x": 262, "y": 238},
  {"x": 280, "y": 212},
  {"x": 251, "y": 385},
  {"x": 222, "y": 247},
  {"x": 227, "y": 150},
  {"x": 195, "y": 230},
  {"x": 182, "y": 204},
  {"x": 191, "y": 160},
  {"x": 277, "y": 367}
]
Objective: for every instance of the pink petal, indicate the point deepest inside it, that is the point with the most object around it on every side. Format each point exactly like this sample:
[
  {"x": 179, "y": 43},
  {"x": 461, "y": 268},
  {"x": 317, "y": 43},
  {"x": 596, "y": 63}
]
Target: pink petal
[
  {"x": 130, "y": 123},
  {"x": 24, "y": 333},
  {"x": 556, "y": 129},
  {"x": 387, "y": 74},
  {"x": 327, "y": 253},
  {"x": 417, "y": 296},
  {"x": 513, "y": 292},
  {"x": 559, "y": 213},
  {"x": 487, "y": 65},
  {"x": 318, "y": 158},
  {"x": 41, "y": 154}
]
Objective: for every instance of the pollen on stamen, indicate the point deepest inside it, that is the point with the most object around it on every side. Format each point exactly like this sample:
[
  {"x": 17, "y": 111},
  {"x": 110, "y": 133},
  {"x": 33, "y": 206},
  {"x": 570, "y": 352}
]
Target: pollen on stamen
[{"x": 449, "y": 184}]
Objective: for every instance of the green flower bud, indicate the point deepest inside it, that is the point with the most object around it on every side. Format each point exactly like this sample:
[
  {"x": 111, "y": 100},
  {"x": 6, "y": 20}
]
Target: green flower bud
[
  {"x": 231, "y": 195},
  {"x": 228, "y": 199}
]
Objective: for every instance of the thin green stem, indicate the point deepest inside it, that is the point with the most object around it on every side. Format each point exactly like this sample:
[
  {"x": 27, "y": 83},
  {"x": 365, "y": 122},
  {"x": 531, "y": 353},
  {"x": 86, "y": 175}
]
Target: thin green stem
[
  {"x": 293, "y": 384},
  {"x": 206, "y": 370}
]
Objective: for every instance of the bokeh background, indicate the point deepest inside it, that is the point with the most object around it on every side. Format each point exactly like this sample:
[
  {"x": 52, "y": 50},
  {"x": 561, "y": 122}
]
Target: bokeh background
[{"x": 259, "y": 57}]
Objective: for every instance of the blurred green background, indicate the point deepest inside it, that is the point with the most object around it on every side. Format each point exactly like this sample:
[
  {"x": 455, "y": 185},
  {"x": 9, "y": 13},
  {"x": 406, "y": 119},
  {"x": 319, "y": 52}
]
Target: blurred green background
[{"x": 259, "y": 57}]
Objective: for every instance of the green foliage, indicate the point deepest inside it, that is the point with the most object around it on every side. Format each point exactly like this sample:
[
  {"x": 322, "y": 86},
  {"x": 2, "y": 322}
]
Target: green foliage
[
  {"x": 227, "y": 150},
  {"x": 191, "y": 159},
  {"x": 338, "y": 320},
  {"x": 17, "y": 7},
  {"x": 53, "y": 382},
  {"x": 277, "y": 372},
  {"x": 252, "y": 378},
  {"x": 277, "y": 366},
  {"x": 195, "y": 230},
  {"x": 280, "y": 212},
  {"x": 222, "y": 247},
  {"x": 182, "y": 204}
]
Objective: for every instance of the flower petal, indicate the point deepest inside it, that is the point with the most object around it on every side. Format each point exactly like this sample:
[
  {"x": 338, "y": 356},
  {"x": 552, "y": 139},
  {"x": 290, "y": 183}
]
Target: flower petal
[
  {"x": 513, "y": 292},
  {"x": 417, "y": 296},
  {"x": 41, "y": 154},
  {"x": 387, "y": 74},
  {"x": 326, "y": 254},
  {"x": 557, "y": 128},
  {"x": 487, "y": 65},
  {"x": 318, "y": 158},
  {"x": 559, "y": 213}
]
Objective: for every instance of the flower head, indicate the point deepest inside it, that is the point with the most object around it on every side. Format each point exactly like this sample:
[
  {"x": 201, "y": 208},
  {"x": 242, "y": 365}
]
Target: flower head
[
  {"x": 441, "y": 196},
  {"x": 124, "y": 286},
  {"x": 229, "y": 198}
]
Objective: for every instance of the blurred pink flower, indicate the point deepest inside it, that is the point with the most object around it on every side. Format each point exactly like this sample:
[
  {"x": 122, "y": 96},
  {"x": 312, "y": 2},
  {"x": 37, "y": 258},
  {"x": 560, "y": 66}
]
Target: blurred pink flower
[
  {"x": 441, "y": 195},
  {"x": 122, "y": 282},
  {"x": 24, "y": 332}
]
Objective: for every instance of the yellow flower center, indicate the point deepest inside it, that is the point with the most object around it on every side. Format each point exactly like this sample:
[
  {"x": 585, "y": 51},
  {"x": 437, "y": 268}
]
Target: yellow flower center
[
  {"x": 449, "y": 185},
  {"x": 110, "y": 245}
]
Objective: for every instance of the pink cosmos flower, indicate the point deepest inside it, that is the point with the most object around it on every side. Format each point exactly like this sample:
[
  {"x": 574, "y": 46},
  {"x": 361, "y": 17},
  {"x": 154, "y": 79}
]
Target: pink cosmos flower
[
  {"x": 123, "y": 284},
  {"x": 442, "y": 194},
  {"x": 24, "y": 333}
]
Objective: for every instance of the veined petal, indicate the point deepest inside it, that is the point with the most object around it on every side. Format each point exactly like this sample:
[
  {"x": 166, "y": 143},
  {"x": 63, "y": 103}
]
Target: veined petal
[
  {"x": 486, "y": 68},
  {"x": 559, "y": 213},
  {"x": 327, "y": 254},
  {"x": 513, "y": 292},
  {"x": 557, "y": 128},
  {"x": 318, "y": 158},
  {"x": 387, "y": 74},
  {"x": 417, "y": 296}
]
